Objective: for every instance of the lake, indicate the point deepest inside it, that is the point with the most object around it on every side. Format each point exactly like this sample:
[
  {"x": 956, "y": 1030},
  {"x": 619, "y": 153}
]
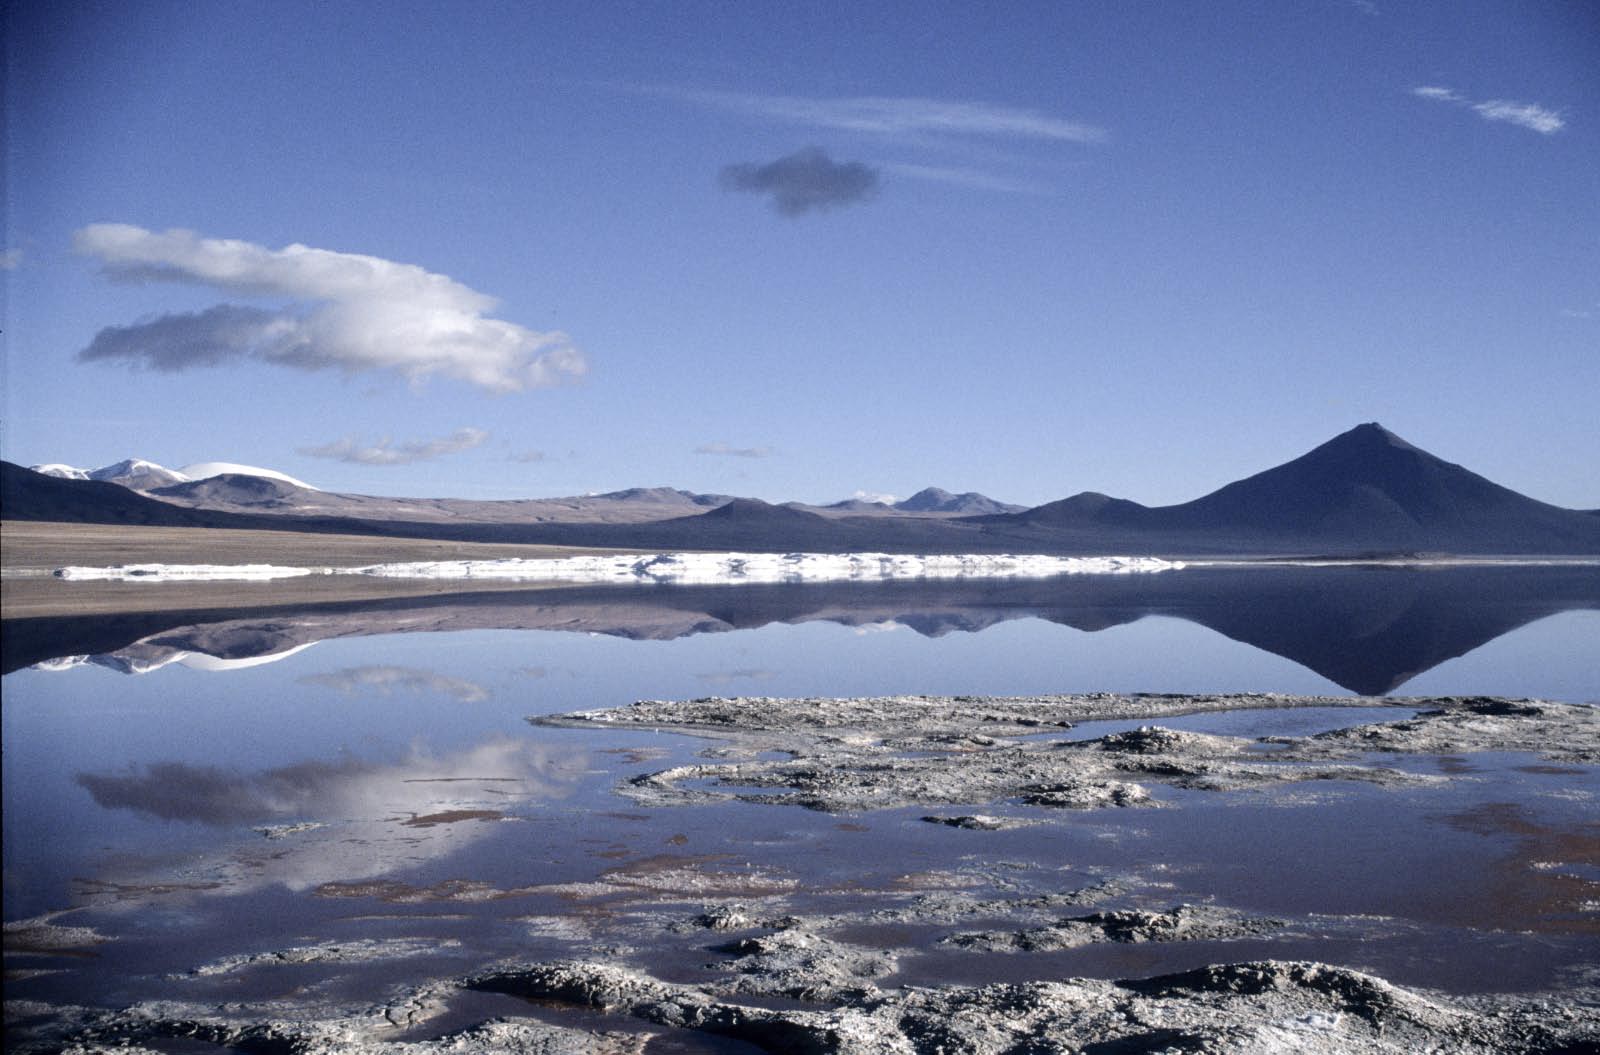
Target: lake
[{"x": 202, "y": 792}]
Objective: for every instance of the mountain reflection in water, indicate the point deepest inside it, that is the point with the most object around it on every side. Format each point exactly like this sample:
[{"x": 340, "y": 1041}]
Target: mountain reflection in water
[{"x": 1368, "y": 629}]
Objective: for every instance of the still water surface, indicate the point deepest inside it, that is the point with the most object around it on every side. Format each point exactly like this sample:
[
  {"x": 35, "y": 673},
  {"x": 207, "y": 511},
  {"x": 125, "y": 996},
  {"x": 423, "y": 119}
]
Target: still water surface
[{"x": 161, "y": 804}]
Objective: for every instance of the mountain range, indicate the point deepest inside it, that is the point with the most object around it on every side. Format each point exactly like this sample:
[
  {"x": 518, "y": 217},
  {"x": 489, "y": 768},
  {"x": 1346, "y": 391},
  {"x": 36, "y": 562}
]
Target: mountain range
[
  {"x": 1366, "y": 491},
  {"x": 142, "y": 475}
]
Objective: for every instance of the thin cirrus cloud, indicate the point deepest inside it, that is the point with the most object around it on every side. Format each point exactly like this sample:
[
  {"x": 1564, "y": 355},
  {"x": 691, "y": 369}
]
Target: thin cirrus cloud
[
  {"x": 387, "y": 452},
  {"x": 1531, "y": 116},
  {"x": 806, "y": 181},
  {"x": 728, "y": 450},
  {"x": 348, "y": 311},
  {"x": 967, "y": 177},
  {"x": 903, "y": 116}
]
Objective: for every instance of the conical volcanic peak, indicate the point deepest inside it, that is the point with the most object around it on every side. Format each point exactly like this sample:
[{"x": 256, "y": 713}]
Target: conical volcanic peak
[{"x": 1369, "y": 487}]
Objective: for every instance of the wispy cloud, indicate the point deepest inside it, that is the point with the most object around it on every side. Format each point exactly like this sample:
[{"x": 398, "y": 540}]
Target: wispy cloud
[
  {"x": 350, "y": 312},
  {"x": 899, "y": 116},
  {"x": 386, "y": 680},
  {"x": 386, "y": 452},
  {"x": 966, "y": 177},
  {"x": 805, "y": 181},
  {"x": 875, "y": 496},
  {"x": 1531, "y": 116},
  {"x": 10, "y": 259},
  {"x": 732, "y": 451},
  {"x": 728, "y": 677}
]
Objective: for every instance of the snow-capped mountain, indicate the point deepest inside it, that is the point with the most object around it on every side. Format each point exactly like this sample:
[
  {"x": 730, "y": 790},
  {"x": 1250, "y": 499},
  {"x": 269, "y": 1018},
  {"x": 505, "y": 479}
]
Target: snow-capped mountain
[
  {"x": 141, "y": 475},
  {"x": 138, "y": 474},
  {"x": 64, "y": 472}
]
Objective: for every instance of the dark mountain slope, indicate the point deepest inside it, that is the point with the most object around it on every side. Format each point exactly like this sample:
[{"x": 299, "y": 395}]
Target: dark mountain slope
[
  {"x": 27, "y": 495},
  {"x": 1370, "y": 487},
  {"x": 1366, "y": 489},
  {"x": 232, "y": 489}
]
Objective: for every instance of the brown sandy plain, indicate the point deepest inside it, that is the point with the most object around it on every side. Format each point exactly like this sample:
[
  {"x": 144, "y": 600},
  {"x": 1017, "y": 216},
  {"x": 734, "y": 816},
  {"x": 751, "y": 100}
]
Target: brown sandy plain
[{"x": 30, "y": 551}]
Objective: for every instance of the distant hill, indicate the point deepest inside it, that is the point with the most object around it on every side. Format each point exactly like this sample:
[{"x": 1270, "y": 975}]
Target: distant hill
[
  {"x": 278, "y": 495},
  {"x": 229, "y": 490},
  {"x": 1364, "y": 492},
  {"x": 969, "y": 503}
]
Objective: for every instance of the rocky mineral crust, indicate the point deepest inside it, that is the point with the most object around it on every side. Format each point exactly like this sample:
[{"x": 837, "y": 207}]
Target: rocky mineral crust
[
  {"x": 1252, "y": 1008},
  {"x": 854, "y": 755},
  {"x": 1260, "y": 1007}
]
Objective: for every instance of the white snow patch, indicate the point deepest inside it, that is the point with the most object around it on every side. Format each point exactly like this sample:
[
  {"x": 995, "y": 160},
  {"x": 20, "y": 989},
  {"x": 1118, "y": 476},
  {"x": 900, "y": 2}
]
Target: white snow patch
[
  {"x": 206, "y": 470},
  {"x": 62, "y": 663},
  {"x": 205, "y": 661},
  {"x": 60, "y": 471},
  {"x": 146, "y": 473}
]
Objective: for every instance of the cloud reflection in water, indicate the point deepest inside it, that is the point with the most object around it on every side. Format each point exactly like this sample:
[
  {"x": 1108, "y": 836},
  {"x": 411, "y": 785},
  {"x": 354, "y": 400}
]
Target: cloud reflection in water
[{"x": 364, "y": 811}]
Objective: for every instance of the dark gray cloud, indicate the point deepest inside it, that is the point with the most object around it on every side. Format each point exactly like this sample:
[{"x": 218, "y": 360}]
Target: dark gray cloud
[
  {"x": 183, "y": 340},
  {"x": 804, "y": 181}
]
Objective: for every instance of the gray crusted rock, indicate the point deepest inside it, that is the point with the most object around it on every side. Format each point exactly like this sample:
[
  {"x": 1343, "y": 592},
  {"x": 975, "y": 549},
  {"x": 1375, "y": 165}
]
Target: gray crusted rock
[
  {"x": 980, "y": 822},
  {"x": 364, "y": 950},
  {"x": 1181, "y": 923},
  {"x": 1261, "y": 1007},
  {"x": 804, "y": 965},
  {"x": 875, "y": 753}
]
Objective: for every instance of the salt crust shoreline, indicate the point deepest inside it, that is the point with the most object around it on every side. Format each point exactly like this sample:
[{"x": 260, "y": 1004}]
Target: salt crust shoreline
[
  {"x": 686, "y": 568},
  {"x": 719, "y": 568}
]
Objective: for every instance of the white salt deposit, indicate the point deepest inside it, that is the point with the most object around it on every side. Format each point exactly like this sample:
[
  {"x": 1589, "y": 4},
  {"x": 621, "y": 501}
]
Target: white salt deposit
[
  {"x": 703, "y": 568},
  {"x": 690, "y": 568},
  {"x": 185, "y": 572}
]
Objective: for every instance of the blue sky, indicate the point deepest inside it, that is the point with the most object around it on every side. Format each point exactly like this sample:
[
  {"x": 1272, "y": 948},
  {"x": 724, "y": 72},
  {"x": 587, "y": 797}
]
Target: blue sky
[{"x": 800, "y": 251}]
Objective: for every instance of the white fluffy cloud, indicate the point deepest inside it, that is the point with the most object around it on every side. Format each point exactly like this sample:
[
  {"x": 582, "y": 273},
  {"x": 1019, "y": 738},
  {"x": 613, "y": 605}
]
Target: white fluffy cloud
[
  {"x": 387, "y": 452},
  {"x": 352, "y": 312},
  {"x": 1531, "y": 116}
]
